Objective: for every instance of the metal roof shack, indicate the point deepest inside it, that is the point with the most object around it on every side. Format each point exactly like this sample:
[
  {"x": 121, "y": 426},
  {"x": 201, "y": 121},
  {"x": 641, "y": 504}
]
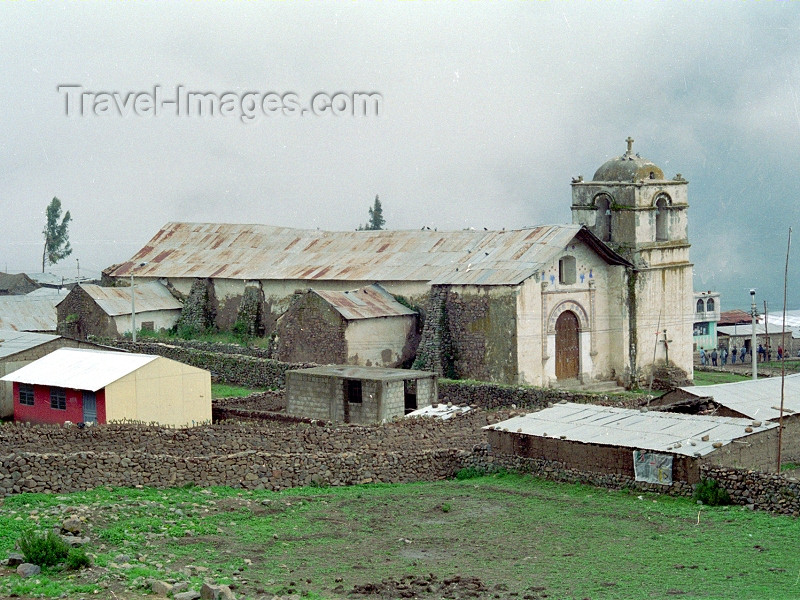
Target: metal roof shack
[
  {"x": 79, "y": 385},
  {"x": 19, "y": 348},
  {"x": 355, "y": 394},
  {"x": 115, "y": 301},
  {"x": 619, "y": 441},
  {"x": 758, "y": 399}
]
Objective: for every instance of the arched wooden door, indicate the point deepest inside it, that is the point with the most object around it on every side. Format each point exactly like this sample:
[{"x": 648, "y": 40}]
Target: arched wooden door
[{"x": 567, "y": 346}]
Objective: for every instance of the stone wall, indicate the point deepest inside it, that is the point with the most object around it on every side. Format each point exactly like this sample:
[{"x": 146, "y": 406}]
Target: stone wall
[
  {"x": 495, "y": 395},
  {"x": 263, "y": 455},
  {"x": 248, "y": 371},
  {"x": 199, "y": 312},
  {"x": 311, "y": 331},
  {"x": 280, "y": 454}
]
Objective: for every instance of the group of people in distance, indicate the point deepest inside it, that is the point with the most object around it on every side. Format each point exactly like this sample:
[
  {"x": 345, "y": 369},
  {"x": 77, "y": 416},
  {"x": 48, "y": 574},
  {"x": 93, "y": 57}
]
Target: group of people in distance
[{"x": 714, "y": 356}]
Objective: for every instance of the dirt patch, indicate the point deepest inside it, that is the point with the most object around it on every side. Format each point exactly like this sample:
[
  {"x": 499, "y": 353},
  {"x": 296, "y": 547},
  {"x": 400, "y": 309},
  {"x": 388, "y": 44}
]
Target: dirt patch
[{"x": 430, "y": 586}]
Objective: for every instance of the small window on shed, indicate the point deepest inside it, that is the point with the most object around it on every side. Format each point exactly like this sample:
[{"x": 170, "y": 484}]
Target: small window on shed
[
  {"x": 566, "y": 270},
  {"x": 26, "y": 394},
  {"x": 148, "y": 326},
  {"x": 58, "y": 399},
  {"x": 352, "y": 390}
]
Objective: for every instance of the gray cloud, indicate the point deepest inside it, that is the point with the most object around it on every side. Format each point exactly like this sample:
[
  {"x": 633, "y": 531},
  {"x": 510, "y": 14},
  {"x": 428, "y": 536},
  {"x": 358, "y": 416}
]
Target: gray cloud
[{"x": 489, "y": 110}]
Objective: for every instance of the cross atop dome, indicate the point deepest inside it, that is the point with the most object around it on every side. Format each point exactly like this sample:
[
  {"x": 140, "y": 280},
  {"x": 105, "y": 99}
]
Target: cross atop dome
[{"x": 630, "y": 144}]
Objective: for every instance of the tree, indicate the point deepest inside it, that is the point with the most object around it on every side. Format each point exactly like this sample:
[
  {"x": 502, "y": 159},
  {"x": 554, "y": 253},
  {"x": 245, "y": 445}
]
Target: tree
[
  {"x": 56, "y": 235},
  {"x": 376, "y": 220}
]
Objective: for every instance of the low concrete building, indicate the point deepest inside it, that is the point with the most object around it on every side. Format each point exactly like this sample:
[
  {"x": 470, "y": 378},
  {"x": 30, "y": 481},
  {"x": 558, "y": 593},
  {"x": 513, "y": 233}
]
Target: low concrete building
[
  {"x": 91, "y": 309},
  {"x": 367, "y": 327},
  {"x": 85, "y": 386},
  {"x": 20, "y": 348},
  {"x": 752, "y": 399},
  {"x": 656, "y": 447},
  {"x": 358, "y": 394}
]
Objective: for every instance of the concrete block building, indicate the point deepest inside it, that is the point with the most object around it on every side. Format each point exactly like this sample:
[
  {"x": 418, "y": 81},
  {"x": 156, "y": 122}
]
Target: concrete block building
[{"x": 358, "y": 394}]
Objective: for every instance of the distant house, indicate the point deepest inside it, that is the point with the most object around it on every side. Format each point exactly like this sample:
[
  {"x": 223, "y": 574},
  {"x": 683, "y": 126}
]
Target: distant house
[
  {"x": 706, "y": 316},
  {"x": 366, "y": 327},
  {"x": 769, "y": 336},
  {"x": 106, "y": 311},
  {"x": 16, "y": 284},
  {"x": 85, "y": 386},
  {"x": 32, "y": 312},
  {"x": 654, "y": 447},
  {"x": 752, "y": 399},
  {"x": 358, "y": 394},
  {"x": 19, "y": 348}
]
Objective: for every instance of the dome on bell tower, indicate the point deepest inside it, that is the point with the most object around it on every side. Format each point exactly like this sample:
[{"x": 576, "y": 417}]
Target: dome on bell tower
[{"x": 628, "y": 167}]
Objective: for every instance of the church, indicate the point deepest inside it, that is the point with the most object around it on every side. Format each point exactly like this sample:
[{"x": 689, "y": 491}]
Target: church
[{"x": 607, "y": 298}]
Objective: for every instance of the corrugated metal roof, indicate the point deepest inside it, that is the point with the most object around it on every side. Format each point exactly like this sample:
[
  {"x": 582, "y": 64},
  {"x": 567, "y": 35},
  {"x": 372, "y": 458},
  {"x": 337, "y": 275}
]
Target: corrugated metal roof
[
  {"x": 658, "y": 431},
  {"x": 759, "y": 399},
  {"x": 367, "y": 303},
  {"x": 29, "y": 313},
  {"x": 280, "y": 253},
  {"x": 79, "y": 369},
  {"x": 150, "y": 296},
  {"x": 366, "y": 373},
  {"x": 761, "y": 329},
  {"x": 13, "y": 342}
]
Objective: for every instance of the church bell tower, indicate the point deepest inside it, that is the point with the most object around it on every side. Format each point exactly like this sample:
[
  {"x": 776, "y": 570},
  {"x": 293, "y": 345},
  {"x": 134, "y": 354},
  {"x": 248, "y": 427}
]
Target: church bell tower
[{"x": 634, "y": 209}]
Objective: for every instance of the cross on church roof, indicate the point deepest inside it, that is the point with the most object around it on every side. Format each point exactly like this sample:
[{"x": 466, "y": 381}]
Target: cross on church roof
[{"x": 630, "y": 143}]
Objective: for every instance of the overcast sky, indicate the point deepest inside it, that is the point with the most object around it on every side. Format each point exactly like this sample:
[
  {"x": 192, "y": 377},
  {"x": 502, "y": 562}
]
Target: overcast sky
[{"x": 488, "y": 110}]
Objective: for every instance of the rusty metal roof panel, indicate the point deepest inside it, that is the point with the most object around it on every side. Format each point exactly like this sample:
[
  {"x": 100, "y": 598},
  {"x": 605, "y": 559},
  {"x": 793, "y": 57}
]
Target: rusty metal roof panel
[
  {"x": 29, "y": 313},
  {"x": 366, "y": 303},
  {"x": 688, "y": 435},
  {"x": 266, "y": 252},
  {"x": 150, "y": 296}
]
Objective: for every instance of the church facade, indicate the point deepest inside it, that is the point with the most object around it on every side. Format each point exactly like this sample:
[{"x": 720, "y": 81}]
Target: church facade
[{"x": 605, "y": 298}]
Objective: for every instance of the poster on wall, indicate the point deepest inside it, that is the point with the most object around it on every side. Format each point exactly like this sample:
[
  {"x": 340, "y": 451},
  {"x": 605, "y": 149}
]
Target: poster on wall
[{"x": 652, "y": 467}]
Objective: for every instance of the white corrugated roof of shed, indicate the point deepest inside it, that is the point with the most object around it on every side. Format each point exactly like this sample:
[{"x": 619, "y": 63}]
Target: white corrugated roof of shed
[
  {"x": 611, "y": 426},
  {"x": 758, "y": 399},
  {"x": 79, "y": 369},
  {"x": 13, "y": 342}
]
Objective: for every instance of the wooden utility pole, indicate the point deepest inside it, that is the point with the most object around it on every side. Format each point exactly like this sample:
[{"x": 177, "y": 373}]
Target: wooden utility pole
[{"x": 783, "y": 345}]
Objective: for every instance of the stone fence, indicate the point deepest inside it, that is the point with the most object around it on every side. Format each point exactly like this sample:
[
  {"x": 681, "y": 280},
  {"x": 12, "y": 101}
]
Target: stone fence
[{"x": 276, "y": 455}]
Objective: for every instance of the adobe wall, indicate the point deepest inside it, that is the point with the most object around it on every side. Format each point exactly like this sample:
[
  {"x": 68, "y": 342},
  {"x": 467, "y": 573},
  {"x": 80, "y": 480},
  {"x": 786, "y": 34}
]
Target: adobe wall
[{"x": 598, "y": 459}]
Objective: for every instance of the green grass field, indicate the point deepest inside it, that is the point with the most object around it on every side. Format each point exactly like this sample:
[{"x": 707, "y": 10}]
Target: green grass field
[
  {"x": 517, "y": 536},
  {"x": 224, "y": 390},
  {"x": 715, "y": 377}
]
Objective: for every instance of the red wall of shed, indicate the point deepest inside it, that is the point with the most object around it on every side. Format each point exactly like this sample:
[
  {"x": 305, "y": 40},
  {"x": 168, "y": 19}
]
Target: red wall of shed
[{"x": 41, "y": 412}]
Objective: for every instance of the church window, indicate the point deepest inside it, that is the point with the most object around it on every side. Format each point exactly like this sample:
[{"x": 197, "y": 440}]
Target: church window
[
  {"x": 662, "y": 215},
  {"x": 602, "y": 228},
  {"x": 710, "y": 305},
  {"x": 566, "y": 270},
  {"x": 701, "y": 307}
]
